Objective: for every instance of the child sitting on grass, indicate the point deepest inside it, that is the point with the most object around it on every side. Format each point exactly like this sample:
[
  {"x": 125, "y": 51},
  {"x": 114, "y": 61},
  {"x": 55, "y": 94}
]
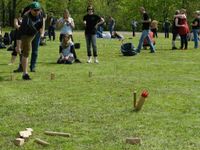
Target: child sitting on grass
[{"x": 67, "y": 56}]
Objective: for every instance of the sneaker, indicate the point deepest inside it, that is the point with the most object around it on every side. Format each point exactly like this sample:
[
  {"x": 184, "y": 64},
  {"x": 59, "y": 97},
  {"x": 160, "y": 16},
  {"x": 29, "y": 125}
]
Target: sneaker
[
  {"x": 26, "y": 77},
  {"x": 32, "y": 70},
  {"x": 77, "y": 61},
  {"x": 18, "y": 70},
  {"x": 10, "y": 64},
  {"x": 96, "y": 60},
  {"x": 173, "y": 48},
  {"x": 89, "y": 60},
  {"x": 138, "y": 51}
]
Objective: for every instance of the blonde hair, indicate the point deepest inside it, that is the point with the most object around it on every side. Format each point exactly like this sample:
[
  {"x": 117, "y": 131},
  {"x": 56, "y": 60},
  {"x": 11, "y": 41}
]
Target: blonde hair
[{"x": 65, "y": 43}]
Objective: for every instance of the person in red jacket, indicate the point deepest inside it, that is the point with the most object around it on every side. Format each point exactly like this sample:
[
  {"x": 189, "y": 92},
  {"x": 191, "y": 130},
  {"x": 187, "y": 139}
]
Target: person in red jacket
[{"x": 183, "y": 28}]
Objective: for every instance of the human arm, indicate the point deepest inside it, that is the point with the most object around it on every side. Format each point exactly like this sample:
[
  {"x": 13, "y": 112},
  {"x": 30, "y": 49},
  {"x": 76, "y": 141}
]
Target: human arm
[
  {"x": 42, "y": 30},
  {"x": 180, "y": 16},
  {"x": 16, "y": 24},
  {"x": 70, "y": 22},
  {"x": 194, "y": 23},
  {"x": 177, "y": 24},
  {"x": 100, "y": 22}
]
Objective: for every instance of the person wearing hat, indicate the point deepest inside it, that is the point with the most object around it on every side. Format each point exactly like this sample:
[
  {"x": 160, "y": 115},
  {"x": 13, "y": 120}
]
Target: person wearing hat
[
  {"x": 32, "y": 23},
  {"x": 196, "y": 28},
  {"x": 36, "y": 40}
]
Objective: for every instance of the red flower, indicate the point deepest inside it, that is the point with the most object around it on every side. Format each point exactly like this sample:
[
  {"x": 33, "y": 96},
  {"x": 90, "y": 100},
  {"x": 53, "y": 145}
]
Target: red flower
[{"x": 144, "y": 93}]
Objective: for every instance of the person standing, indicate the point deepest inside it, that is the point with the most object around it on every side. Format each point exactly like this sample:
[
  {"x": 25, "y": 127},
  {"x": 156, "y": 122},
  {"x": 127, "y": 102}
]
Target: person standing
[
  {"x": 166, "y": 27},
  {"x": 35, "y": 42},
  {"x": 91, "y": 22},
  {"x": 134, "y": 26},
  {"x": 175, "y": 30},
  {"x": 154, "y": 28},
  {"x": 52, "y": 26},
  {"x": 145, "y": 31},
  {"x": 196, "y": 28},
  {"x": 17, "y": 23},
  {"x": 111, "y": 25},
  {"x": 183, "y": 28},
  {"x": 32, "y": 23}
]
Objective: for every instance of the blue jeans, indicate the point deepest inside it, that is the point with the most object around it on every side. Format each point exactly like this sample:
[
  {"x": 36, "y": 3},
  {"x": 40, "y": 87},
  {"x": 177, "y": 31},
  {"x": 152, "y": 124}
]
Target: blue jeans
[
  {"x": 111, "y": 30},
  {"x": 34, "y": 54},
  {"x": 91, "y": 41},
  {"x": 196, "y": 40},
  {"x": 145, "y": 33}
]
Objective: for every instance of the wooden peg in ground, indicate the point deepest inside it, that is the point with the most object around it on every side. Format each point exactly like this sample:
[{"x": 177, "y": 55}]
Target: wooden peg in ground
[
  {"x": 141, "y": 100},
  {"x": 19, "y": 141},
  {"x": 57, "y": 133},
  {"x": 42, "y": 142},
  {"x": 133, "y": 140},
  {"x": 52, "y": 76}
]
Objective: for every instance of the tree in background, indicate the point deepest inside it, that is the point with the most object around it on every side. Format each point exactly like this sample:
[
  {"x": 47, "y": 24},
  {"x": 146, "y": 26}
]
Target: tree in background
[{"x": 123, "y": 11}]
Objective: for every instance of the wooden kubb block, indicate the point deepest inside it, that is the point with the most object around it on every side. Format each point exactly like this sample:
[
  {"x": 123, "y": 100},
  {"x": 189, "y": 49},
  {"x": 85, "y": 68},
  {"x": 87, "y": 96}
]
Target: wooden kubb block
[
  {"x": 133, "y": 140},
  {"x": 19, "y": 141},
  {"x": 25, "y": 134}
]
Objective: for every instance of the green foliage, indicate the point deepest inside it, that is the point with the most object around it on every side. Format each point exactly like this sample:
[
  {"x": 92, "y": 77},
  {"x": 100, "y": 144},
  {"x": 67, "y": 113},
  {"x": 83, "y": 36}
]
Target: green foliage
[
  {"x": 123, "y": 11},
  {"x": 98, "y": 110}
]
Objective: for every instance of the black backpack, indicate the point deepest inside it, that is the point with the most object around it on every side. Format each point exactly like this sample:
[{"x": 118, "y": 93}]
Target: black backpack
[
  {"x": 127, "y": 49},
  {"x": 6, "y": 39},
  {"x": 2, "y": 45}
]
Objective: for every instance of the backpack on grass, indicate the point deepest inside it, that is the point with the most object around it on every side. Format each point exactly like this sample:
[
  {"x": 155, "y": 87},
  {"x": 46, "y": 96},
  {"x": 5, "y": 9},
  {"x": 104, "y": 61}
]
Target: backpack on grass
[{"x": 127, "y": 49}]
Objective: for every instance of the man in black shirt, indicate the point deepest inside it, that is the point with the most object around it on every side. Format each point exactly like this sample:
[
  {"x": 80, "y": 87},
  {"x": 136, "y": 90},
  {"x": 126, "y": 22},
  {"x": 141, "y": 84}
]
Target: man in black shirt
[
  {"x": 145, "y": 33},
  {"x": 91, "y": 22}
]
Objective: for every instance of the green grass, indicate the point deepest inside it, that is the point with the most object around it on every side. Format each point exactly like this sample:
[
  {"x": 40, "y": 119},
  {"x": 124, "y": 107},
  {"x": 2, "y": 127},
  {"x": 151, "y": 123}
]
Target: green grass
[{"x": 97, "y": 110}]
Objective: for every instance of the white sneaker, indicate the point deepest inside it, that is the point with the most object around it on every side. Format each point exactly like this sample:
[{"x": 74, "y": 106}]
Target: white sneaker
[
  {"x": 96, "y": 60},
  {"x": 89, "y": 60}
]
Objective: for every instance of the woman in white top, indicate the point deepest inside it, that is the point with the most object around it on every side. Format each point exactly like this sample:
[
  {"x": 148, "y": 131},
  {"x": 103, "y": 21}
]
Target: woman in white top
[{"x": 66, "y": 23}]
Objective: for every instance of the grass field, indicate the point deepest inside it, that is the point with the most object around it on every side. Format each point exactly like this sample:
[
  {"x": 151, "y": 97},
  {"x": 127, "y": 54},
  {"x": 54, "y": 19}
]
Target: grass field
[{"x": 98, "y": 110}]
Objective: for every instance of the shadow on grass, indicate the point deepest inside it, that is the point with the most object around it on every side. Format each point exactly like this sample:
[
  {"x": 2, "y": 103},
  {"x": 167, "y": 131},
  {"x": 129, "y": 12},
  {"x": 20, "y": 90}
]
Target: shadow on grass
[
  {"x": 4, "y": 79},
  {"x": 3, "y": 64},
  {"x": 51, "y": 63}
]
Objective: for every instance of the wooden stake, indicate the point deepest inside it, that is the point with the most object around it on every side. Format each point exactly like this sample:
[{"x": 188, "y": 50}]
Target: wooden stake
[
  {"x": 12, "y": 77},
  {"x": 141, "y": 101},
  {"x": 90, "y": 74},
  {"x": 52, "y": 76},
  {"x": 134, "y": 99},
  {"x": 42, "y": 142},
  {"x": 57, "y": 133}
]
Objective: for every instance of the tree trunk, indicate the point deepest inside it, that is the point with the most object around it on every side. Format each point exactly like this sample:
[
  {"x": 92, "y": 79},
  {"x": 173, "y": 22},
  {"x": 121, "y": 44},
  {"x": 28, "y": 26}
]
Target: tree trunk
[
  {"x": 14, "y": 4},
  {"x": 3, "y": 13}
]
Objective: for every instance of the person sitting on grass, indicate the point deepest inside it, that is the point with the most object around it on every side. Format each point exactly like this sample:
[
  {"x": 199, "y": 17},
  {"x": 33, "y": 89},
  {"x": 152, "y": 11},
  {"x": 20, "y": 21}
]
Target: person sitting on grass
[
  {"x": 67, "y": 47},
  {"x": 117, "y": 36}
]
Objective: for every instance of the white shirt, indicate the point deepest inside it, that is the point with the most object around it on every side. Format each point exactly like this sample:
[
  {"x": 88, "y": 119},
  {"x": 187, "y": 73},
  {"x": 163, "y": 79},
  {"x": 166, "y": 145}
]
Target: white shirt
[{"x": 66, "y": 28}]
